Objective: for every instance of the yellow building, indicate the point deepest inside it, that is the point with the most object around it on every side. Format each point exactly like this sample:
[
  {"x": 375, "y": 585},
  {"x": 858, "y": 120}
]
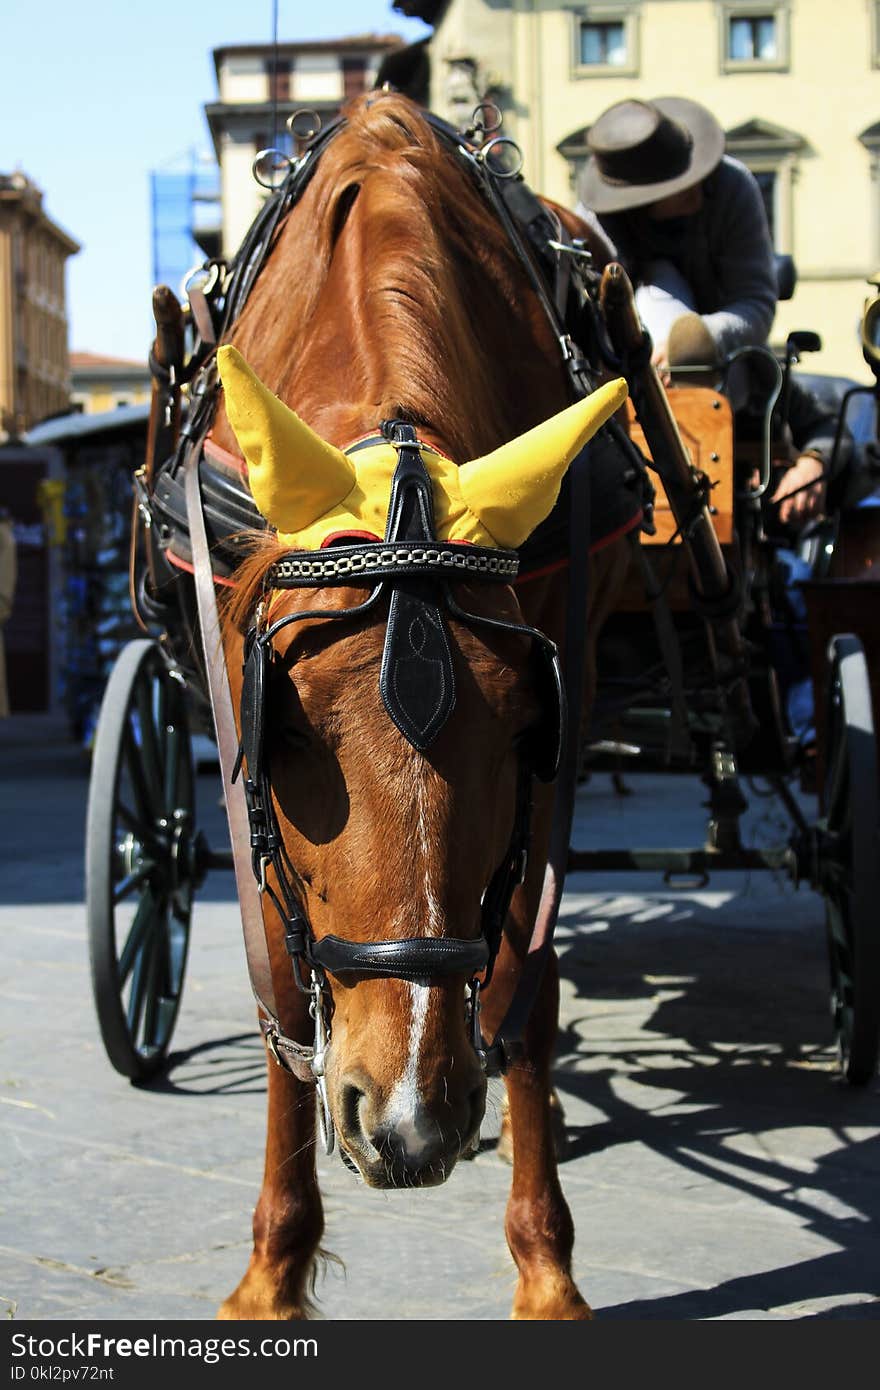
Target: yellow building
[
  {"x": 794, "y": 83},
  {"x": 34, "y": 378},
  {"x": 102, "y": 383}
]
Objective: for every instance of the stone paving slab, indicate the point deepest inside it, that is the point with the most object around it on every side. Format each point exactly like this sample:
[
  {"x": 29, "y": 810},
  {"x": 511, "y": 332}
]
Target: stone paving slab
[{"x": 715, "y": 1165}]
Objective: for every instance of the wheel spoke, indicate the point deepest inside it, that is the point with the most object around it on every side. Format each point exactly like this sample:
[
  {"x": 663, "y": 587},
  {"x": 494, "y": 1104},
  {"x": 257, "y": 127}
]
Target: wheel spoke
[
  {"x": 161, "y": 719},
  {"x": 127, "y": 885},
  {"x": 151, "y": 756},
  {"x": 172, "y": 768},
  {"x": 147, "y": 809},
  {"x": 165, "y": 1011},
  {"x": 140, "y": 926},
  {"x": 139, "y": 980},
  {"x": 839, "y": 935},
  {"x": 141, "y": 830},
  {"x": 177, "y": 939},
  {"x": 153, "y": 986}
]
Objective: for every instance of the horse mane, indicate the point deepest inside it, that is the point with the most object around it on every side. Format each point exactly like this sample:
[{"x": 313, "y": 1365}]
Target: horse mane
[
  {"x": 393, "y": 235},
  {"x": 393, "y": 278}
]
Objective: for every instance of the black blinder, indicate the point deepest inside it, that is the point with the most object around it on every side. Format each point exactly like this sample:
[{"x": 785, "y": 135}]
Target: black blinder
[
  {"x": 416, "y": 680},
  {"x": 254, "y": 689},
  {"x": 548, "y": 737}
]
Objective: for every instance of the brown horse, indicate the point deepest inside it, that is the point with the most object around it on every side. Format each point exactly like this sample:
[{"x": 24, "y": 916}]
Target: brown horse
[{"x": 392, "y": 292}]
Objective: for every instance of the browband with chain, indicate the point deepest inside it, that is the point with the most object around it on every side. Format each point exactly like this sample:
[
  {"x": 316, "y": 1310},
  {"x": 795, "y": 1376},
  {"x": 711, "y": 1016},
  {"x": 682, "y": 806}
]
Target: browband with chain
[{"x": 370, "y": 560}]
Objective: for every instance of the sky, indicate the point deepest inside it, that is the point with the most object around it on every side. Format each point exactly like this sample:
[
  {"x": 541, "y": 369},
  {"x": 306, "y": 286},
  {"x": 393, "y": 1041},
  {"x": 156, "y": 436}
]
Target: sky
[{"x": 97, "y": 94}]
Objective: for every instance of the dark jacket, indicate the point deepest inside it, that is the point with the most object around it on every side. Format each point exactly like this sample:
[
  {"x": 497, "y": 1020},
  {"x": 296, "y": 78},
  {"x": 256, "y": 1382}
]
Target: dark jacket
[{"x": 723, "y": 252}]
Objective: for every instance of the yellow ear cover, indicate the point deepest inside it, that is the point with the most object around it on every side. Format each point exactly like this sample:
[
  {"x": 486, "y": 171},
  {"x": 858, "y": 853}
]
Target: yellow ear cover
[
  {"x": 294, "y": 475},
  {"x": 514, "y": 488},
  {"x": 309, "y": 490}
]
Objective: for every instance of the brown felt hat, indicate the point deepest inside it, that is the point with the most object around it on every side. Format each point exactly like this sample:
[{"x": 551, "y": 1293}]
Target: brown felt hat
[{"x": 644, "y": 150}]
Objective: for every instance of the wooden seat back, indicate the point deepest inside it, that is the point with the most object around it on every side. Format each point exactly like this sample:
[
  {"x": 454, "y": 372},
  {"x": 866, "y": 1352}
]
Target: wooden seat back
[{"x": 705, "y": 422}]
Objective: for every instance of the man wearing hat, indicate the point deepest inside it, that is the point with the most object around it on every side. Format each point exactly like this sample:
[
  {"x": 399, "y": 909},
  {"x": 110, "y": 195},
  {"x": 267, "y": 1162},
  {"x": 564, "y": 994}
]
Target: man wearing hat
[{"x": 687, "y": 222}]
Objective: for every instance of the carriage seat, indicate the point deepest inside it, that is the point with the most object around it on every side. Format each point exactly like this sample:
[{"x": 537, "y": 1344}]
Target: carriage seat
[{"x": 705, "y": 423}]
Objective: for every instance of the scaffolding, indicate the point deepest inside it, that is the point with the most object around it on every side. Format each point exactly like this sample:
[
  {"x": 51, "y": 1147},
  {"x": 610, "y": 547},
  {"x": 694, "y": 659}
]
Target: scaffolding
[{"x": 185, "y": 207}]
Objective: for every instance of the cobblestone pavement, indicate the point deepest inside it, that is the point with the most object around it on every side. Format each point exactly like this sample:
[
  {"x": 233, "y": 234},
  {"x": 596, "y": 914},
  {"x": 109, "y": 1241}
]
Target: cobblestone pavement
[{"x": 715, "y": 1165}]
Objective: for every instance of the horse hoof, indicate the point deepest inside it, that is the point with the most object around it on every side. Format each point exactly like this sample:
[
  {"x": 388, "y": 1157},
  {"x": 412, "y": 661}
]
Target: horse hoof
[
  {"x": 561, "y": 1302},
  {"x": 258, "y": 1298}
]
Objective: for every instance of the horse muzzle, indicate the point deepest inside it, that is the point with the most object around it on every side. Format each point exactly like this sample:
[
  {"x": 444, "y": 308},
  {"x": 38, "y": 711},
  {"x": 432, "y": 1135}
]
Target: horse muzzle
[{"x": 408, "y": 1141}]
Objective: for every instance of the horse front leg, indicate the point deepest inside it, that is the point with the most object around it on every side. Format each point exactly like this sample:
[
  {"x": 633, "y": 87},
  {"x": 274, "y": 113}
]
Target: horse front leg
[
  {"x": 288, "y": 1220},
  {"x": 538, "y": 1224}
]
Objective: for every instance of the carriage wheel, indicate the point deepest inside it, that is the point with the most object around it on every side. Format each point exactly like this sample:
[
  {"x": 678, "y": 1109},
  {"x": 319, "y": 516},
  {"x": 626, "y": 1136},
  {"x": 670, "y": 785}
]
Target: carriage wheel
[
  {"x": 850, "y": 860},
  {"x": 141, "y": 858}
]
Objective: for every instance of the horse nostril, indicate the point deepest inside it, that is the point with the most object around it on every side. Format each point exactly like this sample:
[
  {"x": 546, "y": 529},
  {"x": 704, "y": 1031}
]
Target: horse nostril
[
  {"x": 389, "y": 1144},
  {"x": 350, "y": 1098}
]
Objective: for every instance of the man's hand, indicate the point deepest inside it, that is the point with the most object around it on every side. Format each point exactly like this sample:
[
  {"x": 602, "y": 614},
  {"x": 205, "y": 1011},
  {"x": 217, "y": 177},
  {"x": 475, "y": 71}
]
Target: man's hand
[{"x": 797, "y": 510}]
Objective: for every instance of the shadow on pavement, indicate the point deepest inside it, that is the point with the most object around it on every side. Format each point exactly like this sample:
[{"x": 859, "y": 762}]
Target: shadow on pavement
[
  {"x": 732, "y": 1033},
  {"x": 232, "y": 1066}
]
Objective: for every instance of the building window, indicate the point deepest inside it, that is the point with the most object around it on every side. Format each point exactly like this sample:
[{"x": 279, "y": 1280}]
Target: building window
[
  {"x": 606, "y": 40},
  {"x": 603, "y": 44},
  {"x": 278, "y": 75},
  {"x": 772, "y": 153},
  {"x": 754, "y": 36},
  {"x": 354, "y": 77},
  {"x": 766, "y": 180},
  {"x": 316, "y": 77}
]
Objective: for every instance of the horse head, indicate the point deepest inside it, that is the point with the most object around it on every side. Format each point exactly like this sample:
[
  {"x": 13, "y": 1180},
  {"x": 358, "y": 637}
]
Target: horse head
[{"x": 392, "y": 726}]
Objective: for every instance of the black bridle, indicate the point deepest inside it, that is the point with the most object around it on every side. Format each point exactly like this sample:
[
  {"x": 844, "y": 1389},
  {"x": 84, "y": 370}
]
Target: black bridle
[{"x": 415, "y": 573}]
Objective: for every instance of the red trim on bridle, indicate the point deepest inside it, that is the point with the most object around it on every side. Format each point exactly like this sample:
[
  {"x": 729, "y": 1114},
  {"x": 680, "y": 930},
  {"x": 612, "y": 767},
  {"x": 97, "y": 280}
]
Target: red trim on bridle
[
  {"x": 185, "y": 565},
  {"x": 598, "y": 545},
  {"x": 224, "y": 456},
  {"x": 350, "y": 536}
]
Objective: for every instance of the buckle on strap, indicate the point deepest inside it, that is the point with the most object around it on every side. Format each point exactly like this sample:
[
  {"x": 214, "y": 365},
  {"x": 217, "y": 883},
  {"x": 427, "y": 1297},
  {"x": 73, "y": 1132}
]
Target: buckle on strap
[
  {"x": 290, "y": 1056},
  {"x": 318, "y": 1065},
  {"x": 503, "y": 1054},
  {"x": 473, "y": 1019},
  {"x": 271, "y": 1035}
]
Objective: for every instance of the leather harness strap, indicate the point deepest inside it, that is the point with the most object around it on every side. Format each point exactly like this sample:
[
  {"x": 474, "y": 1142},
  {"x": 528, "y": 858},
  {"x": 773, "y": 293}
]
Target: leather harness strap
[
  {"x": 508, "y": 1045},
  {"x": 297, "y": 1057}
]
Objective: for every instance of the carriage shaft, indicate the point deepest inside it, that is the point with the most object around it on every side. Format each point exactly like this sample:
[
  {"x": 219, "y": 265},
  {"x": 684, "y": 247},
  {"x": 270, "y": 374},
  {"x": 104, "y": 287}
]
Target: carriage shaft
[
  {"x": 676, "y": 862},
  {"x": 712, "y": 579}
]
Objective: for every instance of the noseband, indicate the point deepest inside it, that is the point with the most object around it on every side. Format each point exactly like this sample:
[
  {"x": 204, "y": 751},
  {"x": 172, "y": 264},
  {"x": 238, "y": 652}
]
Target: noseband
[{"x": 418, "y": 691}]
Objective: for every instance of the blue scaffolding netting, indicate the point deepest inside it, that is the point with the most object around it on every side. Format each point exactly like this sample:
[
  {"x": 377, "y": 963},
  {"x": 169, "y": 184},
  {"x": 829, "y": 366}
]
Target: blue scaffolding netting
[{"x": 185, "y": 201}]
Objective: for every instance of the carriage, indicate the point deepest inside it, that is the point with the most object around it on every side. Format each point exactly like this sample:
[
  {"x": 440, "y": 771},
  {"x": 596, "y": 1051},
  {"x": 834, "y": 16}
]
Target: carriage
[{"x": 694, "y": 703}]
